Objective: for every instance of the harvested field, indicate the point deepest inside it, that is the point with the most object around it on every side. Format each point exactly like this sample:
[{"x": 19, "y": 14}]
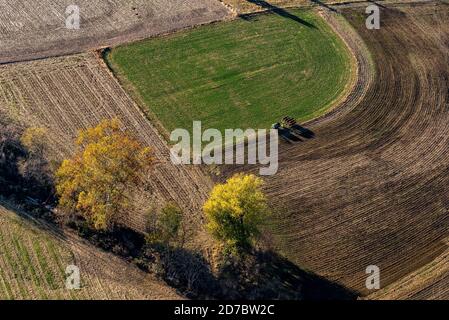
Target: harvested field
[
  {"x": 430, "y": 282},
  {"x": 34, "y": 257},
  {"x": 32, "y": 29},
  {"x": 372, "y": 188},
  {"x": 67, "y": 94}
]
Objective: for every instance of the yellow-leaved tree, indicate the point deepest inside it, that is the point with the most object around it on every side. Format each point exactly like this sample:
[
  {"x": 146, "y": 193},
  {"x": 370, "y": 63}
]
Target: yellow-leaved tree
[
  {"x": 236, "y": 210},
  {"x": 98, "y": 181}
]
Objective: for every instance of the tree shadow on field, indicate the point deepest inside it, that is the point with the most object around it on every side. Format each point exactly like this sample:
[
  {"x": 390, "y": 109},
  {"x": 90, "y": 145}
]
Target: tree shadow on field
[
  {"x": 260, "y": 275},
  {"x": 289, "y": 278},
  {"x": 378, "y": 4},
  {"x": 184, "y": 269},
  {"x": 318, "y": 2},
  {"x": 26, "y": 176},
  {"x": 36, "y": 216},
  {"x": 280, "y": 12}
]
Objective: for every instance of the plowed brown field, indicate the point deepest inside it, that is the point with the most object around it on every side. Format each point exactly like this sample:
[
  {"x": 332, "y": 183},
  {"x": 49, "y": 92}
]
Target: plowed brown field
[
  {"x": 372, "y": 188},
  {"x": 428, "y": 282},
  {"x": 67, "y": 94},
  {"x": 32, "y": 29}
]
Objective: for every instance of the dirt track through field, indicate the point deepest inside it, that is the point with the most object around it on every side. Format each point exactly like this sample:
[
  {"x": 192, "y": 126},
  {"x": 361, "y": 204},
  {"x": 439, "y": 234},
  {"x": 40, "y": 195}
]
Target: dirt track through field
[
  {"x": 373, "y": 187},
  {"x": 31, "y": 29},
  {"x": 67, "y": 94}
]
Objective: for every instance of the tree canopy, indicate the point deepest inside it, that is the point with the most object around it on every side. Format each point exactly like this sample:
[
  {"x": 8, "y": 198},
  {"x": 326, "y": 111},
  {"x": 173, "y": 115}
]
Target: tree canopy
[
  {"x": 165, "y": 226},
  {"x": 98, "y": 180},
  {"x": 235, "y": 211}
]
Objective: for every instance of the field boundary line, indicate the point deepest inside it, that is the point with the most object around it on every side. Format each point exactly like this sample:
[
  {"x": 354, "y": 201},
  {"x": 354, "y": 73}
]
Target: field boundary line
[{"x": 362, "y": 66}]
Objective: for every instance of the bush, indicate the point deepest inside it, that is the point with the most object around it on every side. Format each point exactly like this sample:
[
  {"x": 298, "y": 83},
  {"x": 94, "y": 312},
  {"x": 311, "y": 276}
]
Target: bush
[{"x": 165, "y": 227}]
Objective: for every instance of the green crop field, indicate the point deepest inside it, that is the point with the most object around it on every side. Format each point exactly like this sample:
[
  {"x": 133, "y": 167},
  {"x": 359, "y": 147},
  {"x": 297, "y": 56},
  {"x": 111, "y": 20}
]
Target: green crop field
[
  {"x": 246, "y": 73},
  {"x": 34, "y": 260},
  {"x": 32, "y": 264}
]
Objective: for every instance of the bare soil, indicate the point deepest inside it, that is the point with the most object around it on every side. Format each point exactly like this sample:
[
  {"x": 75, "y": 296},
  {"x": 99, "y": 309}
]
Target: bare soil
[
  {"x": 372, "y": 187},
  {"x": 31, "y": 29},
  {"x": 430, "y": 282}
]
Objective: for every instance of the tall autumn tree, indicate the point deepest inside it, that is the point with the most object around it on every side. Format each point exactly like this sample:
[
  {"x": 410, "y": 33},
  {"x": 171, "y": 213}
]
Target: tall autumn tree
[
  {"x": 236, "y": 210},
  {"x": 97, "y": 182}
]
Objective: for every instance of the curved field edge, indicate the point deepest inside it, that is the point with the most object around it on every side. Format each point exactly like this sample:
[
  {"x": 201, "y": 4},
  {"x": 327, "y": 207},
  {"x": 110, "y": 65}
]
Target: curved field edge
[
  {"x": 363, "y": 70},
  {"x": 224, "y": 86},
  {"x": 372, "y": 187}
]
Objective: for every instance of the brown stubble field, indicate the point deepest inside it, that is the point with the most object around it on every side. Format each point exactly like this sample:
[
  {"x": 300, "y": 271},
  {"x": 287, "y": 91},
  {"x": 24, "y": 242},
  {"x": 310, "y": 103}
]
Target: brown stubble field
[
  {"x": 31, "y": 29},
  {"x": 67, "y": 94},
  {"x": 430, "y": 282},
  {"x": 373, "y": 187}
]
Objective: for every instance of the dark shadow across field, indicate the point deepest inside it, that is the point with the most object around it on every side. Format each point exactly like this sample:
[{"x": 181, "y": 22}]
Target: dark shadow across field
[
  {"x": 281, "y": 12},
  {"x": 318, "y": 2},
  {"x": 272, "y": 276},
  {"x": 267, "y": 277}
]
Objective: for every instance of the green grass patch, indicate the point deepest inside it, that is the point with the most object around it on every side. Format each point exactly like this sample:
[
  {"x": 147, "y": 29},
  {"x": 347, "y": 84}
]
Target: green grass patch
[
  {"x": 246, "y": 73},
  {"x": 33, "y": 262}
]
